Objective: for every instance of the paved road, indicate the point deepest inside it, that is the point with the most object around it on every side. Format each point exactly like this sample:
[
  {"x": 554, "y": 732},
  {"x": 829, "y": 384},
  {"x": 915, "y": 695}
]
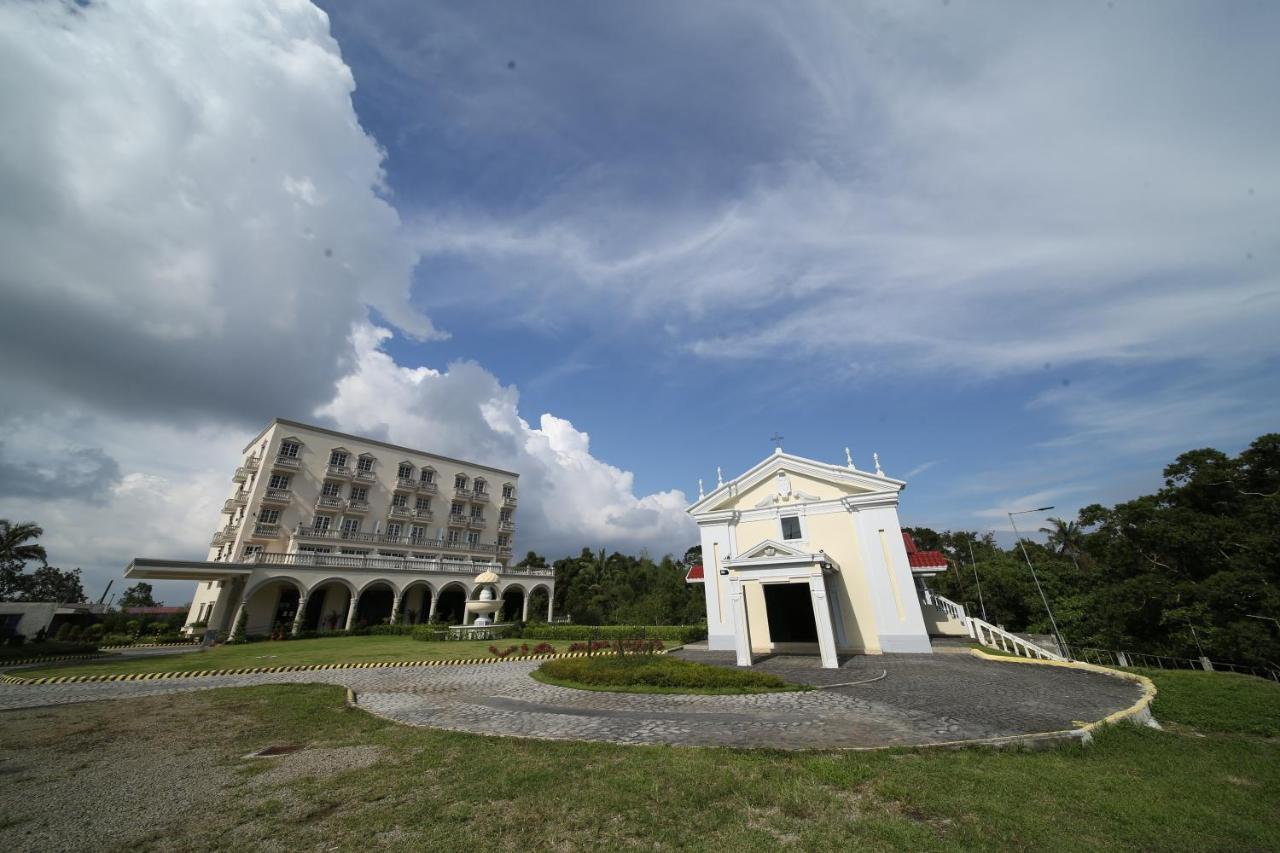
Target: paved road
[{"x": 920, "y": 699}]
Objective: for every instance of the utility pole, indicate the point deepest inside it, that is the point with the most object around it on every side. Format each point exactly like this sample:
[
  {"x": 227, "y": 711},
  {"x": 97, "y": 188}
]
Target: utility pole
[
  {"x": 974, "y": 563},
  {"x": 1062, "y": 643}
]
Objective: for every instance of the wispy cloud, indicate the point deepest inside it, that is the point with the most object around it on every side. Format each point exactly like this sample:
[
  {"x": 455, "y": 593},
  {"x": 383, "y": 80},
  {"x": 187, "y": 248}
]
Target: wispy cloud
[{"x": 920, "y": 469}]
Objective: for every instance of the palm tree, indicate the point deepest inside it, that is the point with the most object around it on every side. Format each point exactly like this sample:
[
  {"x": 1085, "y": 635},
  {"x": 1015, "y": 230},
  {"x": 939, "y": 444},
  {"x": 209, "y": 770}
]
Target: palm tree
[
  {"x": 1066, "y": 538},
  {"x": 14, "y": 539}
]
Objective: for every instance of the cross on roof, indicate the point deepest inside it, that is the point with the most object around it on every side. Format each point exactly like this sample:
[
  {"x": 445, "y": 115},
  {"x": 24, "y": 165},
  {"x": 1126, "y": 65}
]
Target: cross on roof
[{"x": 777, "y": 440}]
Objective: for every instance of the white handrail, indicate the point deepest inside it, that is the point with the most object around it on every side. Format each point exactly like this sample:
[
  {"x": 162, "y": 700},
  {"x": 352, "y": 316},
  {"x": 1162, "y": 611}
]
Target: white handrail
[{"x": 998, "y": 638}]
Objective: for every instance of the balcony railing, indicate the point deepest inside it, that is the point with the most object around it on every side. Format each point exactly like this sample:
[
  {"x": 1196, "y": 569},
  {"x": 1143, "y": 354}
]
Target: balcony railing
[
  {"x": 482, "y": 497},
  {"x": 366, "y": 476},
  {"x": 424, "y": 486},
  {"x": 237, "y": 500},
  {"x": 406, "y": 484},
  {"x": 462, "y": 491},
  {"x": 506, "y": 526},
  {"x": 426, "y": 542},
  {"x": 397, "y": 511},
  {"x": 383, "y": 563},
  {"x": 508, "y": 500},
  {"x": 289, "y": 463},
  {"x": 225, "y": 535},
  {"x": 457, "y": 518},
  {"x": 357, "y": 506},
  {"x": 242, "y": 473},
  {"x": 338, "y": 471},
  {"x": 328, "y": 502},
  {"x": 277, "y": 496},
  {"x": 504, "y": 551},
  {"x": 475, "y": 522},
  {"x": 266, "y": 530}
]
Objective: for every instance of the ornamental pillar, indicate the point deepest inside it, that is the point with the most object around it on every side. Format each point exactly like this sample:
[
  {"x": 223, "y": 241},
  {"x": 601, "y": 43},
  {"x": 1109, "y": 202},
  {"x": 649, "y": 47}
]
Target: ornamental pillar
[
  {"x": 741, "y": 626},
  {"x": 297, "y": 619},
  {"x": 351, "y": 610}
]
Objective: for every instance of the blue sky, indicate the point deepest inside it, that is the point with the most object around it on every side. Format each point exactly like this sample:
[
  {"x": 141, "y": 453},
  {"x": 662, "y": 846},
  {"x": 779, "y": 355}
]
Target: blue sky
[{"x": 1028, "y": 254}]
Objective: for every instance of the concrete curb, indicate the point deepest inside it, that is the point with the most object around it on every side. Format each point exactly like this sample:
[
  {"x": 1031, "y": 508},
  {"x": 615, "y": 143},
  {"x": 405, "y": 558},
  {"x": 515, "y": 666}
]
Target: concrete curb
[
  {"x": 6, "y": 678},
  {"x": 1139, "y": 712}
]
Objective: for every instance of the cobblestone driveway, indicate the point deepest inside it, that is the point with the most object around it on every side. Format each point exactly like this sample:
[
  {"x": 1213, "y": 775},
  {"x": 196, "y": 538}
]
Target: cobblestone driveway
[{"x": 921, "y": 699}]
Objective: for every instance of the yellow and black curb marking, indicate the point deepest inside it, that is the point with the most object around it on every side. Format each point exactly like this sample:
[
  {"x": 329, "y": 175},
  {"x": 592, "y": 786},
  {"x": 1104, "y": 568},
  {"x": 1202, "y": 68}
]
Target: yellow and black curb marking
[
  {"x": 5, "y": 678},
  {"x": 52, "y": 659},
  {"x": 150, "y": 646}
]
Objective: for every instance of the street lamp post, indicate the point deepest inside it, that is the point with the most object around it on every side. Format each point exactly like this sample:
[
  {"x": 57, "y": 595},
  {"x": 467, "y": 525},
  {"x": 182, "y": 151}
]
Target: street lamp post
[{"x": 1062, "y": 643}]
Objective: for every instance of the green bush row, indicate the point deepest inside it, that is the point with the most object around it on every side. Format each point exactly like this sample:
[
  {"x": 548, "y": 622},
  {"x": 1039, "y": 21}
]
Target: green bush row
[
  {"x": 23, "y": 649},
  {"x": 669, "y": 633},
  {"x": 656, "y": 671}
]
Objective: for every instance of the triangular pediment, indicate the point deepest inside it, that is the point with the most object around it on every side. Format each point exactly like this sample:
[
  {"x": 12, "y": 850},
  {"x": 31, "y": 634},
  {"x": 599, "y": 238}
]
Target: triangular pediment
[
  {"x": 783, "y": 478},
  {"x": 769, "y": 549}
]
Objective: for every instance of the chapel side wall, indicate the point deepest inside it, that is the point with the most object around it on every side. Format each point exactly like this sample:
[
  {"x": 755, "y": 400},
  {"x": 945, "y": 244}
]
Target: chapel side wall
[
  {"x": 716, "y": 545},
  {"x": 834, "y": 533},
  {"x": 900, "y": 625}
]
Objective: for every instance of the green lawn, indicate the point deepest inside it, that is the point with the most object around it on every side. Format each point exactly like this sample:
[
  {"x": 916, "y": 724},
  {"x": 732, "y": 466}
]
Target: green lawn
[
  {"x": 1132, "y": 789},
  {"x": 289, "y": 653},
  {"x": 656, "y": 674},
  {"x": 1224, "y": 702}
]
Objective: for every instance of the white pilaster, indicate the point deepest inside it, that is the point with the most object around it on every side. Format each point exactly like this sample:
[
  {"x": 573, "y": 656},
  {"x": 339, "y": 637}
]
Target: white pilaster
[
  {"x": 298, "y": 617},
  {"x": 351, "y": 611},
  {"x": 822, "y": 618},
  {"x": 741, "y": 627}
]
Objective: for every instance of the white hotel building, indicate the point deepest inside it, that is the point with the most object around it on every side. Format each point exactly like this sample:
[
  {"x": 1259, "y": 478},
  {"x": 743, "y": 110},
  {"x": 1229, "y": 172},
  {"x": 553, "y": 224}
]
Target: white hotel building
[{"x": 323, "y": 530}]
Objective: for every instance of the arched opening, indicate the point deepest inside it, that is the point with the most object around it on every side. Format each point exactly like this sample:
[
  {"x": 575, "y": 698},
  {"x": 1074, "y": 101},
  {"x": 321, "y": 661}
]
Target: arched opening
[
  {"x": 327, "y": 606},
  {"x": 452, "y": 606},
  {"x": 539, "y": 603},
  {"x": 271, "y": 607},
  {"x": 375, "y": 603},
  {"x": 415, "y": 607},
  {"x": 512, "y": 603}
]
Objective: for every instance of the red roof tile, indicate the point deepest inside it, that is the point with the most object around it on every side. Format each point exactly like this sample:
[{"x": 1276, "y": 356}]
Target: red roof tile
[
  {"x": 695, "y": 573},
  {"x": 922, "y": 559}
]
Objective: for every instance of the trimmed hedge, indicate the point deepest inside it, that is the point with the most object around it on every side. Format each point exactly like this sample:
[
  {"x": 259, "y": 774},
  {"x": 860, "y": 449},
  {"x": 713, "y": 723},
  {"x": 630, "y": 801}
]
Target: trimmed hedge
[
  {"x": 670, "y": 633},
  {"x": 658, "y": 671},
  {"x": 48, "y": 648}
]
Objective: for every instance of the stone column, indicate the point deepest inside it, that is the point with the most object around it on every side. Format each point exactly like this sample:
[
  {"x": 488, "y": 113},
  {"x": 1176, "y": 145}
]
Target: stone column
[
  {"x": 524, "y": 609},
  {"x": 431, "y": 612},
  {"x": 297, "y": 619},
  {"x": 741, "y": 627},
  {"x": 822, "y": 617},
  {"x": 551, "y": 600},
  {"x": 235, "y": 620},
  {"x": 351, "y": 610},
  {"x": 395, "y": 608}
]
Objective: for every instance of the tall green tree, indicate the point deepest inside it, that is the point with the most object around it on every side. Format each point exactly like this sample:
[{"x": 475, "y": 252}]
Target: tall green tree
[
  {"x": 138, "y": 595},
  {"x": 17, "y": 542}
]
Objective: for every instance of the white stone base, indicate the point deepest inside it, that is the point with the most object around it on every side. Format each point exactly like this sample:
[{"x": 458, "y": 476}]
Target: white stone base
[{"x": 905, "y": 643}]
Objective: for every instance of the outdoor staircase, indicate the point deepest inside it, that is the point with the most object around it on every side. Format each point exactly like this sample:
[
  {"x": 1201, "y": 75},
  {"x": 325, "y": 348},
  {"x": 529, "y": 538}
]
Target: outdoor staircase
[{"x": 984, "y": 633}]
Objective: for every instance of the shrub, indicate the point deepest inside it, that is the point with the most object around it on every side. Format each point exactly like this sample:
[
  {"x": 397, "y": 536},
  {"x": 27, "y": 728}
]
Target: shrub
[
  {"x": 429, "y": 633},
  {"x": 502, "y": 653},
  {"x": 544, "y": 649},
  {"x": 659, "y": 672},
  {"x": 394, "y": 630},
  {"x": 669, "y": 633},
  {"x": 16, "y": 650}
]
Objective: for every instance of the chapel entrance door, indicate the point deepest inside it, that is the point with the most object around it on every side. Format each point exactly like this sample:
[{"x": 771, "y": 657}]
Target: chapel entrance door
[{"x": 789, "y": 608}]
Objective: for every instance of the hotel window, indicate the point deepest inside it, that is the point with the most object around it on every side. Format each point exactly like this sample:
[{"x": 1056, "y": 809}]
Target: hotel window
[
  {"x": 331, "y": 489},
  {"x": 355, "y": 552},
  {"x": 477, "y": 511},
  {"x": 473, "y": 538},
  {"x": 268, "y": 516},
  {"x": 290, "y": 449},
  {"x": 505, "y": 515},
  {"x": 457, "y": 508},
  {"x": 393, "y": 530},
  {"x": 422, "y": 504},
  {"x": 453, "y": 537},
  {"x": 503, "y": 540},
  {"x": 321, "y": 523},
  {"x": 405, "y": 472},
  {"x": 480, "y": 486},
  {"x": 418, "y": 532},
  {"x": 460, "y": 481},
  {"x": 508, "y": 491},
  {"x": 359, "y": 493},
  {"x": 350, "y": 525},
  {"x": 364, "y": 463},
  {"x": 428, "y": 475},
  {"x": 338, "y": 458},
  {"x": 252, "y": 551},
  {"x": 218, "y": 556},
  {"x": 400, "y": 500},
  {"x": 278, "y": 481},
  {"x": 791, "y": 527}
]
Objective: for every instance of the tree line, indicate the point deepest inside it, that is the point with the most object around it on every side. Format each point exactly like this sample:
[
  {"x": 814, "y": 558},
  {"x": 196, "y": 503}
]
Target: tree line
[{"x": 1192, "y": 569}]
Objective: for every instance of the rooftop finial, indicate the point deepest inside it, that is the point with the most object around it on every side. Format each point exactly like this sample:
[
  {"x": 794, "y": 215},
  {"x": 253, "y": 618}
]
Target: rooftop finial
[
  {"x": 700, "y": 494},
  {"x": 776, "y": 438},
  {"x": 848, "y": 457},
  {"x": 719, "y": 477},
  {"x": 876, "y": 457}
]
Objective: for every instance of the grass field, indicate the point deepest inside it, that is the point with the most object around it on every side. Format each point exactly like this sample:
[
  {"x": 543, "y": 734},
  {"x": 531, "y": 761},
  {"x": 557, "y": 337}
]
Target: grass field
[
  {"x": 362, "y": 782},
  {"x": 289, "y": 653}
]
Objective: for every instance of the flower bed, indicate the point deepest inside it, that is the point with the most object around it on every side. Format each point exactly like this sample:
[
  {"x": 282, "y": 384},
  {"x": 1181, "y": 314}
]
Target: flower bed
[{"x": 656, "y": 674}]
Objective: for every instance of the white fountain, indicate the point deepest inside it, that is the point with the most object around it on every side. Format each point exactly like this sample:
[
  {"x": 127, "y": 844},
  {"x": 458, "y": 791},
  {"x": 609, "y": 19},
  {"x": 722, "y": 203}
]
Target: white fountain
[{"x": 487, "y": 603}]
